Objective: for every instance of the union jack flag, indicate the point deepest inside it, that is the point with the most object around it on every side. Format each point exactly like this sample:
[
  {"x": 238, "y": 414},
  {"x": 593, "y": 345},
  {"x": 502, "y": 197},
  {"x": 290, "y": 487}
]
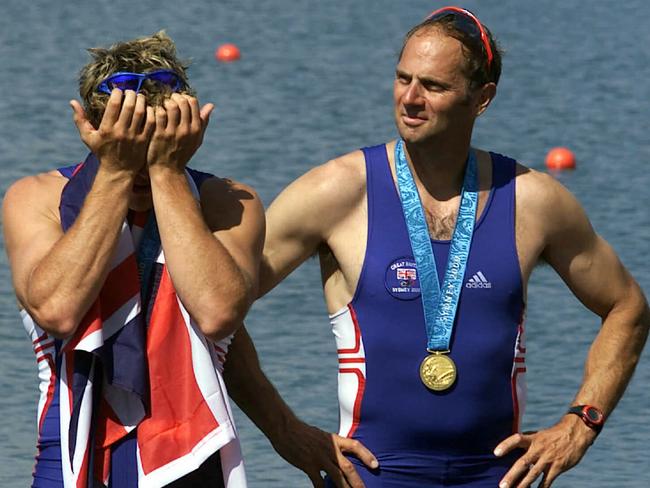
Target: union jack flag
[
  {"x": 409, "y": 274},
  {"x": 117, "y": 374}
]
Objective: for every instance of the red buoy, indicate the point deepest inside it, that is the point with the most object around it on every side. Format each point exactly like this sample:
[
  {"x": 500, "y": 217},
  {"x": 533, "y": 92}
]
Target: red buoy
[
  {"x": 560, "y": 158},
  {"x": 227, "y": 53}
]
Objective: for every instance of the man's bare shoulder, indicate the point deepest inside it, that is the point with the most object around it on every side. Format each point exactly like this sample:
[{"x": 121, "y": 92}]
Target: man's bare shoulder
[
  {"x": 541, "y": 196},
  {"x": 225, "y": 203},
  {"x": 533, "y": 184},
  {"x": 319, "y": 200},
  {"x": 226, "y": 191},
  {"x": 38, "y": 191},
  {"x": 340, "y": 180}
]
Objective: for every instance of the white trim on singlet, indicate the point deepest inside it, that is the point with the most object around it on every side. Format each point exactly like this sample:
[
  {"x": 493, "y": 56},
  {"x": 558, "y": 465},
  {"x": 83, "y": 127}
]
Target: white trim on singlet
[{"x": 352, "y": 368}]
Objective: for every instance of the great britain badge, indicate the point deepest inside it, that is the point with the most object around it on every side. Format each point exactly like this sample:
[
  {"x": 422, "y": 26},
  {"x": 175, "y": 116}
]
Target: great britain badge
[{"x": 402, "y": 279}]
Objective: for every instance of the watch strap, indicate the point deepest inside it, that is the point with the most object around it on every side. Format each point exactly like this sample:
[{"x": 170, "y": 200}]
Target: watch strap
[{"x": 592, "y": 416}]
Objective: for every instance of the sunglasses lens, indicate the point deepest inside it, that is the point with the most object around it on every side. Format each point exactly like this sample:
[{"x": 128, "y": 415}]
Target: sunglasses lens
[
  {"x": 167, "y": 78},
  {"x": 133, "y": 81},
  {"x": 462, "y": 22},
  {"x": 124, "y": 82},
  {"x": 467, "y": 24}
]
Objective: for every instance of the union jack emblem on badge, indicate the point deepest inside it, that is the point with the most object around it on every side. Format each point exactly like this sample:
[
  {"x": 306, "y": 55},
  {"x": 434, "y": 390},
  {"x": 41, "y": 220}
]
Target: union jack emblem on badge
[
  {"x": 409, "y": 274},
  {"x": 401, "y": 279}
]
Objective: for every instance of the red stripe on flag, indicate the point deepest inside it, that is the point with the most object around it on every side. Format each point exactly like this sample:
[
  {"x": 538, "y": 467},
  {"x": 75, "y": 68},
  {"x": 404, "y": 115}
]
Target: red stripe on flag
[
  {"x": 102, "y": 466},
  {"x": 117, "y": 290},
  {"x": 82, "y": 480},
  {"x": 109, "y": 428},
  {"x": 89, "y": 324},
  {"x": 121, "y": 285},
  {"x": 108, "y": 431},
  {"x": 180, "y": 418}
]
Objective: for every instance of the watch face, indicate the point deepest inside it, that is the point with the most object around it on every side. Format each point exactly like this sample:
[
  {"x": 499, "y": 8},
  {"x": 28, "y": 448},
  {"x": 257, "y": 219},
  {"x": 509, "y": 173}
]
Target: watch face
[{"x": 593, "y": 415}]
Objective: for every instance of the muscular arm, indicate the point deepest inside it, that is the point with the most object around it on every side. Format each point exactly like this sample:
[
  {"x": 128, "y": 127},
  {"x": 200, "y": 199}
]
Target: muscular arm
[
  {"x": 57, "y": 276},
  {"x": 212, "y": 254},
  {"x": 214, "y": 269},
  {"x": 299, "y": 220},
  {"x": 593, "y": 272}
]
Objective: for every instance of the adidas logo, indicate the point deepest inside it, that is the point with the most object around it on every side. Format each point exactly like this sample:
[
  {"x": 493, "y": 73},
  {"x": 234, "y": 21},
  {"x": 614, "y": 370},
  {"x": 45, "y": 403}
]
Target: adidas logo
[{"x": 478, "y": 281}]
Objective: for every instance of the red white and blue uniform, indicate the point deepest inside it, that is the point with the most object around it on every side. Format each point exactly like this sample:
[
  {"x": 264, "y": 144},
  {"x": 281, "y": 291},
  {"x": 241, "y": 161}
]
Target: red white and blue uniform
[
  {"x": 421, "y": 437},
  {"x": 135, "y": 398}
]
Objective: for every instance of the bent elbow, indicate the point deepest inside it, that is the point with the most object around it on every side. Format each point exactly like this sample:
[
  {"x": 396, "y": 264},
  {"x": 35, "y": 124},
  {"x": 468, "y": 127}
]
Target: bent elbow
[
  {"x": 55, "y": 324},
  {"x": 218, "y": 326}
]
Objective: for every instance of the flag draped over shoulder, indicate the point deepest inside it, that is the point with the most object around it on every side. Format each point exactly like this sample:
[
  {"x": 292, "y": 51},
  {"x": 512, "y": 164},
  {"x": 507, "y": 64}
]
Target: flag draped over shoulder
[{"x": 145, "y": 367}]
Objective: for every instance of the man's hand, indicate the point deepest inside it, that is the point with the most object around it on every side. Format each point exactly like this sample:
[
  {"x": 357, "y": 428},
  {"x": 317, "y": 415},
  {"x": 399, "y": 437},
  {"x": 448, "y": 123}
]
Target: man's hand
[
  {"x": 313, "y": 451},
  {"x": 549, "y": 452},
  {"x": 180, "y": 126},
  {"x": 123, "y": 135}
]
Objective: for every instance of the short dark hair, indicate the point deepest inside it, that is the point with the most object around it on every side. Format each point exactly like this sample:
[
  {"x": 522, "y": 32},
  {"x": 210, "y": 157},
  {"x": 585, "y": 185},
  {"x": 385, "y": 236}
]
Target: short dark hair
[
  {"x": 476, "y": 58},
  {"x": 140, "y": 55}
]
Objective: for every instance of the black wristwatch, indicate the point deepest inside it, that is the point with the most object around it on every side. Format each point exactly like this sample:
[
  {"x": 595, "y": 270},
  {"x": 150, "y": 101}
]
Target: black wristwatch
[{"x": 590, "y": 415}]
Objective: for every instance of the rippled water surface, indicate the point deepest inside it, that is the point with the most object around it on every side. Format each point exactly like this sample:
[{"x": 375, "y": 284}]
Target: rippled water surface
[{"x": 314, "y": 82}]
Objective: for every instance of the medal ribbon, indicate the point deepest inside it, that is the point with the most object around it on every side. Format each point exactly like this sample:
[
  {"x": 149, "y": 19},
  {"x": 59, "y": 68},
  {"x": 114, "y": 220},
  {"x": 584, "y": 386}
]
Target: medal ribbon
[{"x": 439, "y": 305}]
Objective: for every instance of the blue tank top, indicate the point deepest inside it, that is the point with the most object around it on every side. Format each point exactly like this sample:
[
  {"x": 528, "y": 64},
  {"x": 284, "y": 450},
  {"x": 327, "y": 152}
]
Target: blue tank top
[{"x": 407, "y": 426}]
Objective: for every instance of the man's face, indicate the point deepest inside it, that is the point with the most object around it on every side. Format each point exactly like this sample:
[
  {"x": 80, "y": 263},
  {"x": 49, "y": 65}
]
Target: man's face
[{"x": 431, "y": 92}]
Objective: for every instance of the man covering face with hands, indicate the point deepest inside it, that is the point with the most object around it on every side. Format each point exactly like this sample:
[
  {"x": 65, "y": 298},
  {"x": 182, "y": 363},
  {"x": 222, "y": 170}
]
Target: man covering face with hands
[{"x": 132, "y": 272}]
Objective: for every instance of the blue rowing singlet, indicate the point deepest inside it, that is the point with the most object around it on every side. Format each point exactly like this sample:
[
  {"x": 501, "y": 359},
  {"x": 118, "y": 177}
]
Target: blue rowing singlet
[{"x": 422, "y": 437}]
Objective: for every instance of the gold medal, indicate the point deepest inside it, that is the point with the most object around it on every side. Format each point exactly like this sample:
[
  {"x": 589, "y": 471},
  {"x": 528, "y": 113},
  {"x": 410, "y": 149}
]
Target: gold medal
[{"x": 438, "y": 371}]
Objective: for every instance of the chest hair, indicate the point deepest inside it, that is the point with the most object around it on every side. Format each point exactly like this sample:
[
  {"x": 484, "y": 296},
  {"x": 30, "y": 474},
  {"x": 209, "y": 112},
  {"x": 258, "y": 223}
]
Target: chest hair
[{"x": 441, "y": 226}]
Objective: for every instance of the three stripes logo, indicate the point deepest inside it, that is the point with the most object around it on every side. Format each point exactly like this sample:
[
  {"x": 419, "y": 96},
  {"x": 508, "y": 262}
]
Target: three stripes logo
[{"x": 478, "y": 281}]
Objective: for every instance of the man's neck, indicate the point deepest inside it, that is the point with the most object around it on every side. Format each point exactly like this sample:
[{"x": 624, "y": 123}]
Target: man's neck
[{"x": 440, "y": 169}]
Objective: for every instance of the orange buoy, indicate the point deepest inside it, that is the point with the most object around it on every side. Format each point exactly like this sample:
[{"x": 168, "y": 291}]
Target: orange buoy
[
  {"x": 560, "y": 158},
  {"x": 227, "y": 53}
]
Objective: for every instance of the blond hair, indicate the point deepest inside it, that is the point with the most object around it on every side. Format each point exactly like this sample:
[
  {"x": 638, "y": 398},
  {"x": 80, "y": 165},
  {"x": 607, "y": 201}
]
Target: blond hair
[{"x": 140, "y": 55}]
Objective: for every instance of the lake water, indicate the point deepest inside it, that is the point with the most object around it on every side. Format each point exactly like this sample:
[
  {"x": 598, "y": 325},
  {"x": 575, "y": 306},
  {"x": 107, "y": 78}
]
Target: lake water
[{"x": 314, "y": 82}]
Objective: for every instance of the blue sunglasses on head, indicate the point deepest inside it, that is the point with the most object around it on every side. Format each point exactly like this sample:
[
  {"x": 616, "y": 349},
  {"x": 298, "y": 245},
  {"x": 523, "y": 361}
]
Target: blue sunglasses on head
[{"x": 125, "y": 80}]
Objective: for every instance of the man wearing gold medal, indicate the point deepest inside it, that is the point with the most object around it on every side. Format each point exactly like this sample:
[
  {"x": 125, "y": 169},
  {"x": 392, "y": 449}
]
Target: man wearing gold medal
[{"x": 426, "y": 245}]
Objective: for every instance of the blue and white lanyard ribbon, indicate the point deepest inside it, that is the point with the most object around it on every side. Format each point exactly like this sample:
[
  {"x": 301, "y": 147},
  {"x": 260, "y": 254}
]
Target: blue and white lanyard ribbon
[{"x": 439, "y": 305}]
